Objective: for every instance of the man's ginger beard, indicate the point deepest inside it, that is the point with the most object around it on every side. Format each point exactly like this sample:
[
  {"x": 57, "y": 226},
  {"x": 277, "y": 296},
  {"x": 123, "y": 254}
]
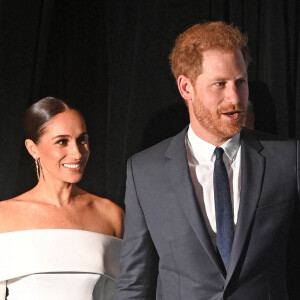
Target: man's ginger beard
[{"x": 214, "y": 123}]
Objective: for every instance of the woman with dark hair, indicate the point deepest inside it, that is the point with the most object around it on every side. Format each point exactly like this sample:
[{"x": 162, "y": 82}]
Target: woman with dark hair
[{"x": 58, "y": 241}]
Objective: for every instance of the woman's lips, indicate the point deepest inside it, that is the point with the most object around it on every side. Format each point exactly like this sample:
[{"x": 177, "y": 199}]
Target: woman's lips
[{"x": 73, "y": 166}]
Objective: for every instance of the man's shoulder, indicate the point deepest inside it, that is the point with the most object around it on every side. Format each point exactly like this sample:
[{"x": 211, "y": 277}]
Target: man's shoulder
[
  {"x": 157, "y": 151},
  {"x": 263, "y": 136},
  {"x": 265, "y": 141}
]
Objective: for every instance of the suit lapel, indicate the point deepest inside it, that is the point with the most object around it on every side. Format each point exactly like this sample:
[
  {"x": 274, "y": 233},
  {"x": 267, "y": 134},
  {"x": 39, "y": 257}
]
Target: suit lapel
[
  {"x": 178, "y": 172},
  {"x": 252, "y": 166}
]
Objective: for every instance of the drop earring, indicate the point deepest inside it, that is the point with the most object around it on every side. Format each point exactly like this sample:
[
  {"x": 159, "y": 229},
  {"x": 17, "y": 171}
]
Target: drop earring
[
  {"x": 37, "y": 167},
  {"x": 41, "y": 169}
]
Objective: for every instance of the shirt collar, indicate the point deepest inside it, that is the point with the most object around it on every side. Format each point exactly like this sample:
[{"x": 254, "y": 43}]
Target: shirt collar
[{"x": 206, "y": 150}]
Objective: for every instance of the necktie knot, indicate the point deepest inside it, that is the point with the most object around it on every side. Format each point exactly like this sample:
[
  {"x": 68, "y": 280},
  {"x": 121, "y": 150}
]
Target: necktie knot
[{"x": 219, "y": 152}]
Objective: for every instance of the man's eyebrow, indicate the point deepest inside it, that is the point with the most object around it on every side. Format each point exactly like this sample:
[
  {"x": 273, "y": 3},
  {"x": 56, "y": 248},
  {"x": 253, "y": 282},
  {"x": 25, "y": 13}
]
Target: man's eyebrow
[{"x": 222, "y": 78}]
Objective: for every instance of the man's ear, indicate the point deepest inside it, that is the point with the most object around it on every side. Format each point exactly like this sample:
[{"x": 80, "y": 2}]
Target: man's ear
[
  {"x": 32, "y": 149},
  {"x": 185, "y": 87}
]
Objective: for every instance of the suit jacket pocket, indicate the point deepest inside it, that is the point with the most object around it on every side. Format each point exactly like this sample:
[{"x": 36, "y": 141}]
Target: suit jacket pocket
[{"x": 272, "y": 208}]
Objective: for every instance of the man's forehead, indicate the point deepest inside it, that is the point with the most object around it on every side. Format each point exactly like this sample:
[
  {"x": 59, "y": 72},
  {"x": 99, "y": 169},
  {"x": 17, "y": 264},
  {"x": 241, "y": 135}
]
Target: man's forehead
[{"x": 215, "y": 61}]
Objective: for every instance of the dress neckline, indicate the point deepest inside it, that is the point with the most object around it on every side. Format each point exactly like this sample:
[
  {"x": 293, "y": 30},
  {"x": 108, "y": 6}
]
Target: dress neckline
[
  {"x": 58, "y": 250},
  {"x": 59, "y": 230}
]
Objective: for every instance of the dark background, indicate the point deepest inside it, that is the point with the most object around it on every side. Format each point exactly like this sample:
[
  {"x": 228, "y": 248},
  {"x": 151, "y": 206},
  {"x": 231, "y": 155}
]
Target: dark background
[{"x": 110, "y": 60}]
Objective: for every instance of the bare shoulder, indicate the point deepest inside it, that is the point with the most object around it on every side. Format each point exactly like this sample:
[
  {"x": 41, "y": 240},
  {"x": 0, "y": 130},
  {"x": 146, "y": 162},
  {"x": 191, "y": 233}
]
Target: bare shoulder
[
  {"x": 10, "y": 211},
  {"x": 10, "y": 205},
  {"x": 5, "y": 207},
  {"x": 108, "y": 205},
  {"x": 107, "y": 210},
  {"x": 113, "y": 212}
]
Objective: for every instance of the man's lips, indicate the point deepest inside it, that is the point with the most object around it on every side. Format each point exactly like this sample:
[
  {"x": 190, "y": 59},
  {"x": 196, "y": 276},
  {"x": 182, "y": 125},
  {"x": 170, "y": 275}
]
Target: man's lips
[{"x": 234, "y": 115}]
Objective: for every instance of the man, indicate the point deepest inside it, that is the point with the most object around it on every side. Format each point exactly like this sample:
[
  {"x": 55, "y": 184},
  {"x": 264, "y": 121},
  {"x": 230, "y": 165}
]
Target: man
[{"x": 209, "y": 212}]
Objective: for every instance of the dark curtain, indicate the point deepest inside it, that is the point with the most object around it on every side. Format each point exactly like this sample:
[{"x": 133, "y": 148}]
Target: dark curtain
[{"x": 109, "y": 59}]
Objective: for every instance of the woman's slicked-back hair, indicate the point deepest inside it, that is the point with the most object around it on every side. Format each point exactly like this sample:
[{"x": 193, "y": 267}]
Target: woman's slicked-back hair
[{"x": 39, "y": 113}]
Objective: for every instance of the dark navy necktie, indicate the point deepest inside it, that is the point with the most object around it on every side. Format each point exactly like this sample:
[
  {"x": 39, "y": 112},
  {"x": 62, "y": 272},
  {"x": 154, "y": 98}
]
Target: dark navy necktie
[{"x": 223, "y": 207}]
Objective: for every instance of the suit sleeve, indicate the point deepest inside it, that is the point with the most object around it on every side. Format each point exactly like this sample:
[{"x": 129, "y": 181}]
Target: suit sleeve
[
  {"x": 293, "y": 268},
  {"x": 139, "y": 261}
]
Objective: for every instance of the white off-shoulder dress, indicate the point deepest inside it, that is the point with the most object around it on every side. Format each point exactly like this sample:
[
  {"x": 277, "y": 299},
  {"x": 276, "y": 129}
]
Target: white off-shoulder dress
[{"x": 58, "y": 264}]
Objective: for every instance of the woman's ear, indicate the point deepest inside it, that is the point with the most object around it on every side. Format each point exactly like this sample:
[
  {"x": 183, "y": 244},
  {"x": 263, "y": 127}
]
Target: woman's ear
[{"x": 32, "y": 149}]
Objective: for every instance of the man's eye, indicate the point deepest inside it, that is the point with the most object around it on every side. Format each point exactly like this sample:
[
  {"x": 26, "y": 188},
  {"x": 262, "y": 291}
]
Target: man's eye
[
  {"x": 220, "y": 83},
  {"x": 241, "y": 81}
]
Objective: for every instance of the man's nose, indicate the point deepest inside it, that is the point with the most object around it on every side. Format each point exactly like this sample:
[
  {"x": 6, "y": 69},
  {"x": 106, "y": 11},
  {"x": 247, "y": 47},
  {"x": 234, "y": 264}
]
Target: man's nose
[{"x": 232, "y": 94}]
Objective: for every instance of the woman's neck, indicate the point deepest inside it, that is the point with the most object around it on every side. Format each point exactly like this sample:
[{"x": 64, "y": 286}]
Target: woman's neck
[{"x": 56, "y": 193}]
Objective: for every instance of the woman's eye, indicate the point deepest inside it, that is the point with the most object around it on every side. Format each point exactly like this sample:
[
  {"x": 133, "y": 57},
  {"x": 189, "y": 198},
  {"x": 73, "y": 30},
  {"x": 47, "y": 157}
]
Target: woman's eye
[
  {"x": 62, "y": 142},
  {"x": 83, "y": 139}
]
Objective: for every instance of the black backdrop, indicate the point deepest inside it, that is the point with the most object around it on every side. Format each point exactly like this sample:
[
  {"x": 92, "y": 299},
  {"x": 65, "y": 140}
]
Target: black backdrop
[{"x": 110, "y": 60}]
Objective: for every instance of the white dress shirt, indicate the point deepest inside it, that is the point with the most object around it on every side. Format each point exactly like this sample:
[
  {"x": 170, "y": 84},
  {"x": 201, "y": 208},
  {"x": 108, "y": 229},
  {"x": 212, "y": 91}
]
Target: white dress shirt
[{"x": 201, "y": 160}]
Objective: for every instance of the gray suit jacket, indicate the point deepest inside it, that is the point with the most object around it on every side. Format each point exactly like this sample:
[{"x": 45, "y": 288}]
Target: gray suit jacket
[{"x": 167, "y": 252}]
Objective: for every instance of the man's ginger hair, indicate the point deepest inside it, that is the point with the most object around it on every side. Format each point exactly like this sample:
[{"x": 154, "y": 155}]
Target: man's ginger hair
[{"x": 186, "y": 56}]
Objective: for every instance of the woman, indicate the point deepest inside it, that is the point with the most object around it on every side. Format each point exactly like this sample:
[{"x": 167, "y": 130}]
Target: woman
[{"x": 58, "y": 241}]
